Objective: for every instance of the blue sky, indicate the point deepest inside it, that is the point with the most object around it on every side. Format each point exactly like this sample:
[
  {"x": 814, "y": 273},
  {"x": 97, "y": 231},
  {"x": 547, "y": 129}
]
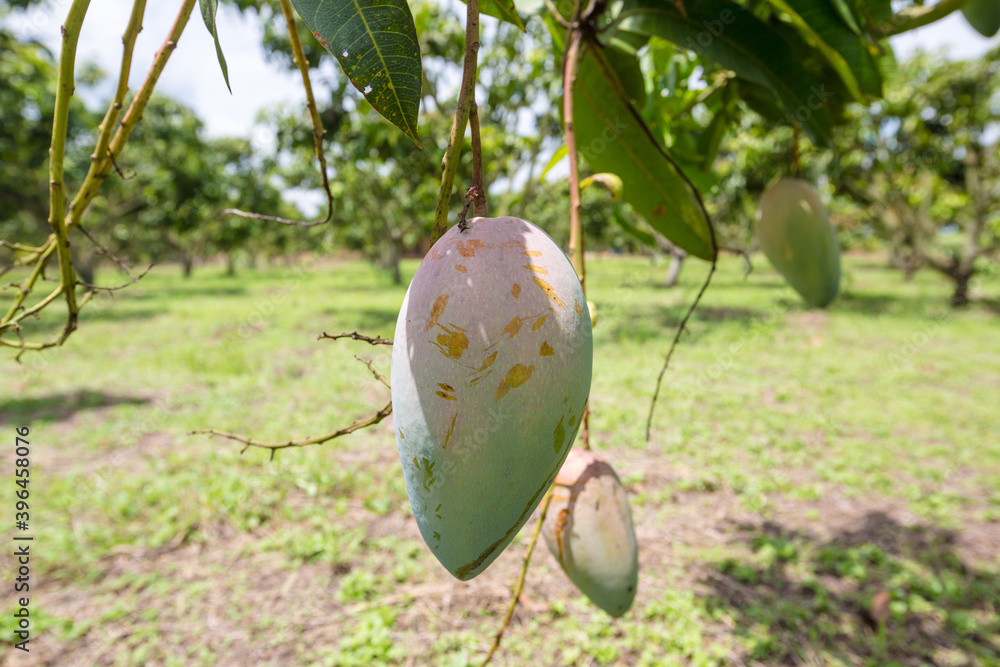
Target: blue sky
[{"x": 193, "y": 75}]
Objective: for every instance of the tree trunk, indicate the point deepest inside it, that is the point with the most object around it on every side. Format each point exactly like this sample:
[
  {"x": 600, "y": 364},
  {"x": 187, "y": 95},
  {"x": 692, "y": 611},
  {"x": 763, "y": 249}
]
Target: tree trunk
[
  {"x": 676, "y": 262},
  {"x": 960, "y": 297},
  {"x": 230, "y": 264},
  {"x": 187, "y": 263}
]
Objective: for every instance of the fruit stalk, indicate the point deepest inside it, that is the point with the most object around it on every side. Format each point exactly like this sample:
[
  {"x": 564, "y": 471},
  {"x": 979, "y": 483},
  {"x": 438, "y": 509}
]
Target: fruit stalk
[{"x": 466, "y": 98}]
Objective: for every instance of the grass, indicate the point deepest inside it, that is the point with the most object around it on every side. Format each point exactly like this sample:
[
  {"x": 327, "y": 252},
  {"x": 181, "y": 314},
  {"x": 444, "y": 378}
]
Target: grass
[{"x": 809, "y": 474}]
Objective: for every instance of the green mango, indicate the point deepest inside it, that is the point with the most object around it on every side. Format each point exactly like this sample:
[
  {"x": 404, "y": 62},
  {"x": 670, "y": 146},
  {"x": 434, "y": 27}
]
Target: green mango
[
  {"x": 588, "y": 528},
  {"x": 491, "y": 367},
  {"x": 984, "y": 16},
  {"x": 795, "y": 233}
]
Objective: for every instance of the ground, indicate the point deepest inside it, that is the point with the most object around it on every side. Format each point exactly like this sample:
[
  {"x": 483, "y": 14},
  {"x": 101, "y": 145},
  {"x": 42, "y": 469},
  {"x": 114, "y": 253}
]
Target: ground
[{"x": 809, "y": 473}]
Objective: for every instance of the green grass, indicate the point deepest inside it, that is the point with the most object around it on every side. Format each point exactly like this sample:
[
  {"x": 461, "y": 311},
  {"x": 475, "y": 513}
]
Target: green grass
[{"x": 802, "y": 464}]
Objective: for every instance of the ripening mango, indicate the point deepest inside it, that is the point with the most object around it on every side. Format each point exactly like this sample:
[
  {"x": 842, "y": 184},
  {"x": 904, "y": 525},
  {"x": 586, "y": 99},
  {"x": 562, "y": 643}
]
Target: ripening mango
[
  {"x": 984, "y": 16},
  {"x": 491, "y": 369},
  {"x": 588, "y": 528},
  {"x": 796, "y": 235}
]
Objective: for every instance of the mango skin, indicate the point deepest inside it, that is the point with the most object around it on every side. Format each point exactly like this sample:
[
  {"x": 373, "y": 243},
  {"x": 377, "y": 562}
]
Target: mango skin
[
  {"x": 491, "y": 369},
  {"x": 588, "y": 528},
  {"x": 796, "y": 236},
  {"x": 983, "y": 16}
]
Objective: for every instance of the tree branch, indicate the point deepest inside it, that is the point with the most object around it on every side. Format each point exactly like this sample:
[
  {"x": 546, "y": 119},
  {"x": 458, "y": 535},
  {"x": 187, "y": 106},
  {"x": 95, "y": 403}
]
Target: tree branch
[
  {"x": 317, "y": 440},
  {"x": 354, "y": 335},
  {"x": 317, "y": 123},
  {"x": 519, "y": 586}
]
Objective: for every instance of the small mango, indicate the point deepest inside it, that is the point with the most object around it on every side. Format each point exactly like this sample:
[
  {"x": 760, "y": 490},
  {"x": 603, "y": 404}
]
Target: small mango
[
  {"x": 588, "y": 528},
  {"x": 796, "y": 235}
]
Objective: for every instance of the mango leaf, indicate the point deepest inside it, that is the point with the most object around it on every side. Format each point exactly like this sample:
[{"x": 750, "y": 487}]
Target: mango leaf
[
  {"x": 722, "y": 31},
  {"x": 375, "y": 42},
  {"x": 557, "y": 157},
  {"x": 503, "y": 10},
  {"x": 640, "y": 234},
  {"x": 611, "y": 181},
  {"x": 612, "y": 137},
  {"x": 821, "y": 28},
  {"x": 208, "y": 11},
  {"x": 846, "y": 13}
]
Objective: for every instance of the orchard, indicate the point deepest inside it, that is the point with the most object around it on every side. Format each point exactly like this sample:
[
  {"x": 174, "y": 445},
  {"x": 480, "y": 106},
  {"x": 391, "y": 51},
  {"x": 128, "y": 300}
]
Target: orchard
[{"x": 536, "y": 224}]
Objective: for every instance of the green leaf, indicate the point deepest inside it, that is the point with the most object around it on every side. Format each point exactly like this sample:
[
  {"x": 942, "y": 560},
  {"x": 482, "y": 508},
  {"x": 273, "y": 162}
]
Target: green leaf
[
  {"x": 817, "y": 22},
  {"x": 722, "y": 31},
  {"x": 208, "y": 11},
  {"x": 557, "y": 157},
  {"x": 375, "y": 42},
  {"x": 641, "y": 235},
  {"x": 503, "y": 10},
  {"x": 612, "y": 137},
  {"x": 846, "y": 13}
]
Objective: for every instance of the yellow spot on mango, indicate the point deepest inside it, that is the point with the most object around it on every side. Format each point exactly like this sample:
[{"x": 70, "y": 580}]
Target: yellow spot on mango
[
  {"x": 447, "y": 437},
  {"x": 546, "y": 350},
  {"x": 488, "y": 361},
  {"x": 452, "y": 343},
  {"x": 537, "y": 269},
  {"x": 436, "y": 311},
  {"x": 516, "y": 376},
  {"x": 460, "y": 268},
  {"x": 549, "y": 292},
  {"x": 446, "y": 387},
  {"x": 572, "y": 420},
  {"x": 466, "y": 252},
  {"x": 516, "y": 290},
  {"x": 576, "y": 307},
  {"x": 447, "y": 397},
  {"x": 512, "y": 327},
  {"x": 539, "y": 322},
  {"x": 533, "y": 253}
]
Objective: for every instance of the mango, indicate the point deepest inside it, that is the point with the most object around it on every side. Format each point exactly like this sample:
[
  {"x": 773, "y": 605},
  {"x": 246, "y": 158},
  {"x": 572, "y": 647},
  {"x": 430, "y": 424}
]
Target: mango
[
  {"x": 984, "y": 16},
  {"x": 491, "y": 368},
  {"x": 588, "y": 528},
  {"x": 796, "y": 236}
]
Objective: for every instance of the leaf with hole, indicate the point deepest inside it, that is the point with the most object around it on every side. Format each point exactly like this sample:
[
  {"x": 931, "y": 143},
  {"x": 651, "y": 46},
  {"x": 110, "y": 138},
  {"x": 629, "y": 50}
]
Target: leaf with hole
[{"x": 375, "y": 42}]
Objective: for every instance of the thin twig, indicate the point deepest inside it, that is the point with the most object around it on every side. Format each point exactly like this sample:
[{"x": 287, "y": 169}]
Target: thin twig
[
  {"x": 519, "y": 586},
  {"x": 107, "y": 125},
  {"x": 354, "y": 335},
  {"x": 477, "y": 189},
  {"x": 378, "y": 376},
  {"x": 133, "y": 280},
  {"x": 104, "y": 251},
  {"x": 318, "y": 132},
  {"x": 466, "y": 95},
  {"x": 317, "y": 440}
]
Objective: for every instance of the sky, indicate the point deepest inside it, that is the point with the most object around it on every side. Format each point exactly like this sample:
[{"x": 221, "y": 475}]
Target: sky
[{"x": 193, "y": 76}]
